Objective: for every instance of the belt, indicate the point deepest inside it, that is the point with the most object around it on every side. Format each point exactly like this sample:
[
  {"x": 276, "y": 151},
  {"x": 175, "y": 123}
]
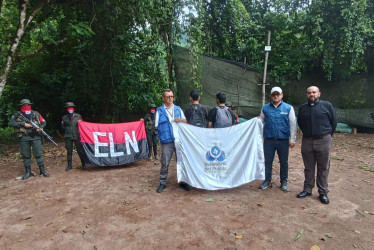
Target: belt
[
  {"x": 275, "y": 138},
  {"x": 315, "y": 137}
]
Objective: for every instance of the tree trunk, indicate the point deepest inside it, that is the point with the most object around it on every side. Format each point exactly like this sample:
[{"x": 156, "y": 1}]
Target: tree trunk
[
  {"x": 1, "y": 5},
  {"x": 169, "y": 37},
  {"x": 23, "y": 22}
]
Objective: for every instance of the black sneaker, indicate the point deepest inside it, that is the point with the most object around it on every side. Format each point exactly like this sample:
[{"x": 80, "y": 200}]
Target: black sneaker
[
  {"x": 161, "y": 188},
  {"x": 185, "y": 186},
  {"x": 284, "y": 186},
  {"x": 265, "y": 184},
  {"x": 303, "y": 194}
]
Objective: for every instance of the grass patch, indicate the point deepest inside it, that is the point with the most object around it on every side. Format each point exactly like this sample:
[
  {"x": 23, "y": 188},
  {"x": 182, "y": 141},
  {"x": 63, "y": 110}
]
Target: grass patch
[{"x": 366, "y": 168}]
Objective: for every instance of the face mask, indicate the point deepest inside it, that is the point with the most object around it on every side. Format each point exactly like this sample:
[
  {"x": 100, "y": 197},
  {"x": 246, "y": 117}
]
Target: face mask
[
  {"x": 152, "y": 110},
  {"x": 26, "y": 109},
  {"x": 70, "y": 110}
]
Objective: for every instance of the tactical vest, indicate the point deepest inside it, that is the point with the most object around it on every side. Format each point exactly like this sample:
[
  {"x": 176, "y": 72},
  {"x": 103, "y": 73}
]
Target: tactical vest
[
  {"x": 21, "y": 131},
  {"x": 149, "y": 123}
]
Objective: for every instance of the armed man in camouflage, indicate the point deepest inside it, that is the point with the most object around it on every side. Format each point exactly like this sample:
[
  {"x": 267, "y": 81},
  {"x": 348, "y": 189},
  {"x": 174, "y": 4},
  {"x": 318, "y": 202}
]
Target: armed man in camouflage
[
  {"x": 152, "y": 138},
  {"x": 29, "y": 137},
  {"x": 70, "y": 125}
]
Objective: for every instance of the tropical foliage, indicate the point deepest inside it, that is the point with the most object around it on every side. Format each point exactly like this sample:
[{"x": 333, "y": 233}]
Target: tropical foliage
[{"x": 115, "y": 57}]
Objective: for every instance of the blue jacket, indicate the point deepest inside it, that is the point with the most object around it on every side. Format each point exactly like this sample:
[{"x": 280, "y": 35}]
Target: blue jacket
[
  {"x": 277, "y": 122},
  {"x": 165, "y": 130}
]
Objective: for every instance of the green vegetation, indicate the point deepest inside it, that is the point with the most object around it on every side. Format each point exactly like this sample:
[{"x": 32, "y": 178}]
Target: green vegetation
[
  {"x": 7, "y": 136},
  {"x": 115, "y": 57}
]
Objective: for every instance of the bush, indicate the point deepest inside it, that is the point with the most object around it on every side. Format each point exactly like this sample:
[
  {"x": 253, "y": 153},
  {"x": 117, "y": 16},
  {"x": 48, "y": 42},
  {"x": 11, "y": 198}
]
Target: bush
[{"x": 7, "y": 136}]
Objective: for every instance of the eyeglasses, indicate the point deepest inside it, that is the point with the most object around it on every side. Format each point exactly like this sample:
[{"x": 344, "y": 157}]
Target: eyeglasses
[
  {"x": 170, "y": 96},
  {"x": 275, "y": 94}
]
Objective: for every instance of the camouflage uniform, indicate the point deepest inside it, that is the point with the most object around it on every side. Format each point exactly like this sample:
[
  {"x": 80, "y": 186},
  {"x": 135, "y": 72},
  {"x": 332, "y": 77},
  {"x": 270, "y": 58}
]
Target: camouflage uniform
[
  {"x": 152, "y": 133},
  {"x": 29, "y": 138},
  {"x": 70, "y": 125}
]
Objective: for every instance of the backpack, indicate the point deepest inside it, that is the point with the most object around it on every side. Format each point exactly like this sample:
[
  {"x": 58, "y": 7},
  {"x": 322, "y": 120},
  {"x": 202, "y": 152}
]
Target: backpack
[
  {"x": 223, "y": 118},
  {"x": 197, "y": 116}
]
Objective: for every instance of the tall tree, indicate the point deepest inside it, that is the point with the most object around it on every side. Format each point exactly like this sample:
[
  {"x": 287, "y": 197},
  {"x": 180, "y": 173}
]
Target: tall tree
[{"x": 26, "y": 14}]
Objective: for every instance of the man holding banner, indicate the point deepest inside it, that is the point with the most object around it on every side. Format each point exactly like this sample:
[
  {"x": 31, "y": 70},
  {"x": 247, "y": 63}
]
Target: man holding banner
[
  {"x": 279, "y": 135},
  {"x": 165, "y": 116},
  {"x": 69, "y": 124}
]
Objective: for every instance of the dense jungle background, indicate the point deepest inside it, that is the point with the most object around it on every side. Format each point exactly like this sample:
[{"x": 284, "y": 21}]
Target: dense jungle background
[{"x": 113, "y": 58}]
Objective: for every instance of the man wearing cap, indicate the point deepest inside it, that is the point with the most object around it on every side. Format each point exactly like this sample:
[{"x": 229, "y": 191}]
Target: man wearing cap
[
  {"x": 69, "y": 124},
  {"x": 317, "y": 120},
  {"x": 279, "y": 135},
  {"x": 151, "y": 130},
  {"x": 29, "y": 137}
]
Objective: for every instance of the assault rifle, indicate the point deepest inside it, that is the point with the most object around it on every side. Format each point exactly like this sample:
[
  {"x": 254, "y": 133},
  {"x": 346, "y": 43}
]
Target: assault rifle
[{"x": 37, "y": 127}]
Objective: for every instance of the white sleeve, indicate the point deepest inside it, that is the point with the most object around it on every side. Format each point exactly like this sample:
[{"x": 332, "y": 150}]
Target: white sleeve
[
  {"x": 293, "y": 129},
  {"x": 182, "y": 115},
  {"x": 262, "y": 116},
  {"x": 156, "y": 119}
]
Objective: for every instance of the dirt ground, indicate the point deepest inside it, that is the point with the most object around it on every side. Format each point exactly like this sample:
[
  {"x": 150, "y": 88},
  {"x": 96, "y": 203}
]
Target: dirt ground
[{"x": 118, "y": 207}]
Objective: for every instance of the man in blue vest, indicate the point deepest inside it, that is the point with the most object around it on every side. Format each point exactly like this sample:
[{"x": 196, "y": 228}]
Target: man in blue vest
[
  {"x": 165, "y": 116},
  {"x": 279, "y": 134}
]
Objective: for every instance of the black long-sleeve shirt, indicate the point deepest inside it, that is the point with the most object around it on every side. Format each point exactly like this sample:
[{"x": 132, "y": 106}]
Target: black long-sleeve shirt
[{"x": 318, "y": 119}]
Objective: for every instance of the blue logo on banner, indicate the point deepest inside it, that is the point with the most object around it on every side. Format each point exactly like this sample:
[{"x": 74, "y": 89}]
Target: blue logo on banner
[{"x": 215, "y": 154}]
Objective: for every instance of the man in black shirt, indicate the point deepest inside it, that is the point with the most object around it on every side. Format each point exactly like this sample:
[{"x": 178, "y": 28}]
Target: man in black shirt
[
  {"x": 196, "y": 114},
  {"x": 317, "y": 120},
  {"x": 221, "y": 116}
]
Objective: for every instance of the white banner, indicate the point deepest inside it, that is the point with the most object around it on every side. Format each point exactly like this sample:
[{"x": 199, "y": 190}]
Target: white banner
[{"x": 219, "y": 158}]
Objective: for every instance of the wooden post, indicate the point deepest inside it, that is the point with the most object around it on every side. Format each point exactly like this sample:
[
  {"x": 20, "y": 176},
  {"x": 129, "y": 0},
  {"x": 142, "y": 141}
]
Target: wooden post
[
  {"x": 265, "y": 70},
  {"x": 238, "y": 86}
]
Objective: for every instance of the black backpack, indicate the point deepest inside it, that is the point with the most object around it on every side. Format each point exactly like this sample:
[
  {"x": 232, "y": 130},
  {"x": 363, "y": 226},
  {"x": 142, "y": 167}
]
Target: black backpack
[{"x": 197, "y": 117}]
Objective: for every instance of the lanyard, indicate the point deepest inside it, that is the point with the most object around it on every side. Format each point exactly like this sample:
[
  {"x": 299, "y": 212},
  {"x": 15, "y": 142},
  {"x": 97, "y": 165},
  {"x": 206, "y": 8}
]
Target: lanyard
[{"x": 171, "y": 112}]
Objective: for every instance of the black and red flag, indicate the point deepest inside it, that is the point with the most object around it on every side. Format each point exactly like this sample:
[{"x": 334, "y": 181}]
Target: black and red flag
[{"x": 113, "y": 144}]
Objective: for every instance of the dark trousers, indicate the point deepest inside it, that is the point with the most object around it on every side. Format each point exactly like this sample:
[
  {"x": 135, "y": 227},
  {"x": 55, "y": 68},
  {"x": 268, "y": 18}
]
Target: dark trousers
[
  {"x": 152, "y": 140},
  {"x": 28, "y": 142},
  {"x": 316, "y": 152},
  {"x": 167, "y": 152},
  {"x": 282, "y": 148},
  {"x": 69, "y": 148}
]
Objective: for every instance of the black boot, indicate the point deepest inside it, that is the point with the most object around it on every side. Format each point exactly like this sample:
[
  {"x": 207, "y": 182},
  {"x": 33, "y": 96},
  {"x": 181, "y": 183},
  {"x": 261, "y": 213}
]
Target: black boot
[
  {"x": 42, "y": 171},
  {"x": 83, "y": 165},
  {"x": 82, "y": 161},
  {"x": 155, "y": 152},
  {"x": 70, "y": 166},
  {"x": 28, "y": 173}
]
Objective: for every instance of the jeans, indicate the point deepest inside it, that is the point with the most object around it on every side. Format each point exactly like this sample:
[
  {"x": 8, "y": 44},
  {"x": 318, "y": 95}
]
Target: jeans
[{"x": 282, "y": 148}]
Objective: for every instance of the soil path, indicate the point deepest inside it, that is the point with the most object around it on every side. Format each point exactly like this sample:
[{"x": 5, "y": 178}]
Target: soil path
[{"x": 118, "y": 207}]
